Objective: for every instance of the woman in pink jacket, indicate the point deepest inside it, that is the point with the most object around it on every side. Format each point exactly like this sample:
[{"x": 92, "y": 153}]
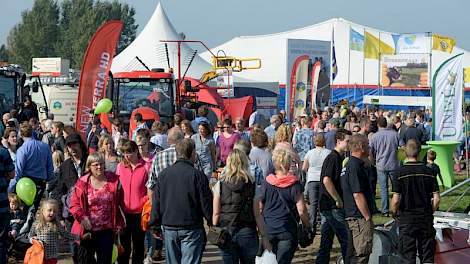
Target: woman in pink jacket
[
  {"x": 133, "y": 175},
  {"x": 95, "y": 205}
]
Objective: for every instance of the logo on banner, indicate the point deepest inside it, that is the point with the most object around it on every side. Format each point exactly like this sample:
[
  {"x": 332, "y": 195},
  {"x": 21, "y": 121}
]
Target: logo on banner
[{"x": 410, "y": 40}]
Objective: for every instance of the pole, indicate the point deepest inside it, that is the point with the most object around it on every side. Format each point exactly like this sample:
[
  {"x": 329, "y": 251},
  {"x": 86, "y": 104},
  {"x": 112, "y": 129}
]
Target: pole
[
  {"x": 349, "y": 56},
  {"x": 467, "y": 169},
  {"x": 178, "y": 106},
  {"x": 364, "y": 58}
]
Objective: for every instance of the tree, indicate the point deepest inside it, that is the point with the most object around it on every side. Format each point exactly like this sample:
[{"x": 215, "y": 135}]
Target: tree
[
  {"x": 36, "y": 35},
  {"x": 50, "y": 31},
  {"x": 4, "y": 53}
]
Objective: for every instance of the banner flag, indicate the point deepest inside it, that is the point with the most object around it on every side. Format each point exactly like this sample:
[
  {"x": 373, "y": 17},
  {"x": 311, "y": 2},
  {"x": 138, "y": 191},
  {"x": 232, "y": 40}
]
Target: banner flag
[
  {"x": 300, "y": 87},
  {"x": 314, "y": 84},
  {"x": 373, "y": 47},
  {"x": 466, "y": 74},
  {"x": 442, "y": 43},
  {"x": 95, "y": 71},
  {"x": 413, "y": 43},
  {"x": 447, "y": 97},
  {"x": 356, "y": 40}
]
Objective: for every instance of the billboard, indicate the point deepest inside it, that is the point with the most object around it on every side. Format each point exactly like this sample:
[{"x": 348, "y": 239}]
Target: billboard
[
  {"x": 405, "y": 70},
  {"x": 302, "y": 54}
]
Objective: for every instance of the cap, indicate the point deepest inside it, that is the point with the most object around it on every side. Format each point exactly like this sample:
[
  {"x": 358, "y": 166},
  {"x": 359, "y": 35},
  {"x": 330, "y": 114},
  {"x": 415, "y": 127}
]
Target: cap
[{"x": 73, "y": 138}]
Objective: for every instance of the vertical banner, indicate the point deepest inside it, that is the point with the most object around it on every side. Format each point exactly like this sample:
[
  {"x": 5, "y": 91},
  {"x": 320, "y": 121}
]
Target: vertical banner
[
  {"x": 95, "y": 70},
  {"x": 314, "y": 84},
  {"x": 299, "y": 85},
  {"x": 447, "y": 93},
  {"x": 300, "y": 51}
]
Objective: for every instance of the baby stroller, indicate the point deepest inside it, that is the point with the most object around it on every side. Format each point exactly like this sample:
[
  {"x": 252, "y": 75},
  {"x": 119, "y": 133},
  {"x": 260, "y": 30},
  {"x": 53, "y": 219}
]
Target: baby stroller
[{"x": 20, "y": 244}]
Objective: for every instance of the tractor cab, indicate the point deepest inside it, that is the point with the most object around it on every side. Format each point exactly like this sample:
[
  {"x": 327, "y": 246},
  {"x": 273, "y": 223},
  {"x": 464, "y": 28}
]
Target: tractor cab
[{"x": 150, "y": 93}]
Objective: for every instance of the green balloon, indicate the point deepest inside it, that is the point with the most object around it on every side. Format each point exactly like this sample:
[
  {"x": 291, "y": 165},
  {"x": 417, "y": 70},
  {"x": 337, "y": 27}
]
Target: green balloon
[
  {"x": 26, "y": 190},
  {"x": 103, "y": 106},
  {"x": 115, "y": 254}
]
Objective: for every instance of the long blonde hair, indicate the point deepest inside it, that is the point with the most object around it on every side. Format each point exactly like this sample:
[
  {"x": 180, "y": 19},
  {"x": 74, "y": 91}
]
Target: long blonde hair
[
  {"x": 237, "y": 168},
  {"x": 41, "y": 222}
]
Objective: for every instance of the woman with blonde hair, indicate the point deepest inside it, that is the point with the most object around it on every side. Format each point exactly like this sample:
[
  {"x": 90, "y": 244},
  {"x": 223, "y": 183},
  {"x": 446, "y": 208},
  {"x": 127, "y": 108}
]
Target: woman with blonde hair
[
  {"x": 281, "y": 195},
  {"x": 106, "y": 147},
  {"x": 283, "y": 140},
  {"x": 233, "y": 209}
]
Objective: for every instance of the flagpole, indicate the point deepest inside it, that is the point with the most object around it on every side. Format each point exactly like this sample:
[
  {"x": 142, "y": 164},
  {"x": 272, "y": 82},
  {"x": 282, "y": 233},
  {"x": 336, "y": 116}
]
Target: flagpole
[
  {"x": 364, "y": 58},
  {"x": 379, "y": 69},
  {"x": 465, "y": 125}
]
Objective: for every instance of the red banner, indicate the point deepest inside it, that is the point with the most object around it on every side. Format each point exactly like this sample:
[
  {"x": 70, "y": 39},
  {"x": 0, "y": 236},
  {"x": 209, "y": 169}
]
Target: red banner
[{"x": 94, "y": 75}]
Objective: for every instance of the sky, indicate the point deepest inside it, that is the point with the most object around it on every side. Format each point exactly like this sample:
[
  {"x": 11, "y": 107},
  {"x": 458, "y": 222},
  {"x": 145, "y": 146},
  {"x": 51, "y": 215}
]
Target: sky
[{"x": 217, "y": 21}]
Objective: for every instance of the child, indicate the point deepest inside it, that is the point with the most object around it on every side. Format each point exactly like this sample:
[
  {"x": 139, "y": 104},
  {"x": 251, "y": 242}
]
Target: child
[
  {"x": 57, "y": 159},
  {"x": 48, "y": 231},
  {"x": 17, "y": 217},
  {"x": 431, "y": 156}
]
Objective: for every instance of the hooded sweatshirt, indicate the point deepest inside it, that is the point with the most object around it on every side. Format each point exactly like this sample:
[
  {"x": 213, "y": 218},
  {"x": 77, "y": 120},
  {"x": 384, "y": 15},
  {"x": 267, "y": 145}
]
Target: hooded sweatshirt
[{"x": 277, "y": 192}]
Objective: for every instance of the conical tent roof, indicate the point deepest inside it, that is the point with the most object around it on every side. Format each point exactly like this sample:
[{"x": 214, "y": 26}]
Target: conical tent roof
[{"x": 149, "y": 48}]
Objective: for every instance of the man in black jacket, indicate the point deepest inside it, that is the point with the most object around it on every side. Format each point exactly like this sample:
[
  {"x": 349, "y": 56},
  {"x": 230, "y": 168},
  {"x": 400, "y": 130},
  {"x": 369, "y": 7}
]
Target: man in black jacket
[{"x": 181, "y": 200}]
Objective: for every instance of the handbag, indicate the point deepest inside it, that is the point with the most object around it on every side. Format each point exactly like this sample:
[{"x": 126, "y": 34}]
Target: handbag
[
  {"x": 34, "y": 254},
  {"x": 220, "y": 236},
  {"x": 304, "y": 235}
]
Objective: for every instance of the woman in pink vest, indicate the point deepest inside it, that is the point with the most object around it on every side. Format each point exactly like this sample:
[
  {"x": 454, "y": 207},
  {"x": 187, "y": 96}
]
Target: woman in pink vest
[{"x": 133, "y": 175}]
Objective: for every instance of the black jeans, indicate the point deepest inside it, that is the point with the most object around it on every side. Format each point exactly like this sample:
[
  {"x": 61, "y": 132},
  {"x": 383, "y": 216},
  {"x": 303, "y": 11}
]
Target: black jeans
[
  {"x": 132, "y": 233},
  {"x": 417, "y": 235},
  {"x": 101, "y": 244},
  {"x": 284, "y": 245},
  {"x": 4, "y": 241}
]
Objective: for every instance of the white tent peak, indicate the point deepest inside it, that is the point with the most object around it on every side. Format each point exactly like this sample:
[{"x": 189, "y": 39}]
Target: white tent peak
[{"x": 149, "y": 48}]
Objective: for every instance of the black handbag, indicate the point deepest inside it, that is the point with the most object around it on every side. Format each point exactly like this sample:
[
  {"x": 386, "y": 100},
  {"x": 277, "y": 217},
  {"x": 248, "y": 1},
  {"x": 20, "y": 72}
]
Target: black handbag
[
  {"x": 304, "y": 235},
  {"x": 220, "y": 236}
]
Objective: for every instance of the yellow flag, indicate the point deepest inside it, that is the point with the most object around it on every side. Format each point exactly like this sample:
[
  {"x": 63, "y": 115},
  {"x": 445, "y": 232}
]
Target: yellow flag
[
  {"x": 442, "y": 43},
  {"x": 466, "y": 75},
  {"x": 373, "y": 47}
]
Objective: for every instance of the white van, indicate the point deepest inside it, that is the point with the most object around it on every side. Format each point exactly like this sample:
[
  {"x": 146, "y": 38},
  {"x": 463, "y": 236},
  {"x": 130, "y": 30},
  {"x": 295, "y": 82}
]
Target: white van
[{"x": 61, "y": 100}]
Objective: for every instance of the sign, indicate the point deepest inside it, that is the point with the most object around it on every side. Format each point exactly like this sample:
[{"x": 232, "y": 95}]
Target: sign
[
  {"x": 405, "y": 70},
  {"x": 447, "y": 93},
  {"x": 413, "y": 43},
  {"x": 50, "y": 67},
  {"x": 225, "y": 80}
]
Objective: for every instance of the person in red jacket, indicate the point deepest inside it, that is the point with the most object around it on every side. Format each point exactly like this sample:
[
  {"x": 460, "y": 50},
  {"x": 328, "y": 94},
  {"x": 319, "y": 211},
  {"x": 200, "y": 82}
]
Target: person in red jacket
[
  {"x": 133, "y": 175},
  {"x": 95, "y": 206}
]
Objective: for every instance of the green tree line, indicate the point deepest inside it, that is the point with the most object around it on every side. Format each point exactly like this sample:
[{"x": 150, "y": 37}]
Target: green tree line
[{"x": 63, "y": 29}]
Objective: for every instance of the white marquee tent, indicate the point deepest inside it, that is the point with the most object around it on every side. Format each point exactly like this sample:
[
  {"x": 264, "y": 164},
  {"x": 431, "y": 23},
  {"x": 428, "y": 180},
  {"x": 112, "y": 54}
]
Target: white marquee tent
[
  {"x": 352, "y": 68},
  {"x": 149, "y": 48}
]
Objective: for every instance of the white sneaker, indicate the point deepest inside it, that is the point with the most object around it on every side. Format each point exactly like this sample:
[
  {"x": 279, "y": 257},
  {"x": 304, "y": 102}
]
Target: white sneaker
[{"x": 148, "y": 260}]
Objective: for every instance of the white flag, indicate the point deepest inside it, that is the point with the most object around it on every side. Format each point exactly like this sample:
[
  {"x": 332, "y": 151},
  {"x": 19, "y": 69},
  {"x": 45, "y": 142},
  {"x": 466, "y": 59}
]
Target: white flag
[
  {"x": 413, "y": 43},
  {"x": 447, "y": 99}
]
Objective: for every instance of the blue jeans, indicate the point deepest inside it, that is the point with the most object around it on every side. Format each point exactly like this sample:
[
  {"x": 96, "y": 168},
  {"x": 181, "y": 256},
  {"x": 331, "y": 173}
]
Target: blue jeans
[
  {"x": 383, "y": 177},
  {"x": 313, "y": 195},
  {"x": 243, "y": 247},
  {"x": 184, "y": 245},
  {"x": 332, "y": 222},
  {"x": 284, "y": 245}
]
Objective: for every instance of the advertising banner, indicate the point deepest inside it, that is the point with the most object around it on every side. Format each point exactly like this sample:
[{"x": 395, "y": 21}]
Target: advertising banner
[
  {"x": 447, "y": 93},
  {"x": 413, "y": 43},
  {"x": 50, "y": 67},
  {"x": 301, "y": 56},
  {"x": 95, "y": 71},
  {"x": 404, "y": 70}
]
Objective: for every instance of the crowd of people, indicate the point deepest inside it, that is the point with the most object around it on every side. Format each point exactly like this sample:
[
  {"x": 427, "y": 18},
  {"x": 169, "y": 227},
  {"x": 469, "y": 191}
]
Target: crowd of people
[{"x": 166, "y": 184}]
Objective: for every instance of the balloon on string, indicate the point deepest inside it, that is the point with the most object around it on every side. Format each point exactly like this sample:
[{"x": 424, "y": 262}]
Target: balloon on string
[
  {"x": 26, "y": 190},
  {"x": 103, "y": 106},
  {"x": 115, "y": 254}
]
